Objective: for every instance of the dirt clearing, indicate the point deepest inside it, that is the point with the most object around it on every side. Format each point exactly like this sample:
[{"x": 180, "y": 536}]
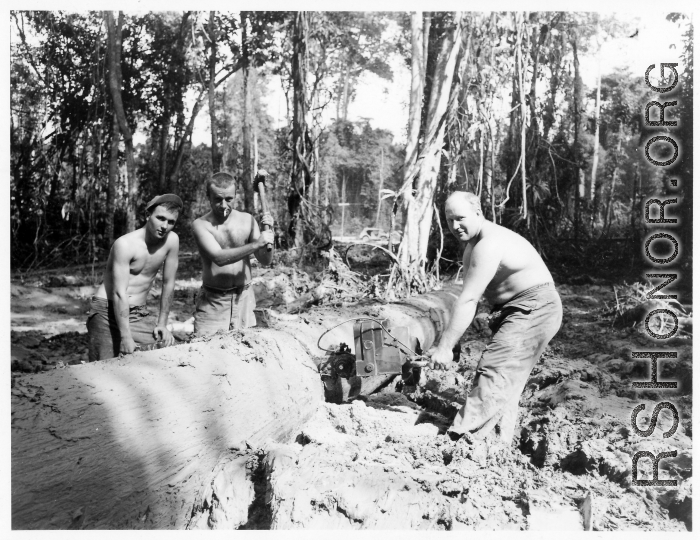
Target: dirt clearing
[{"x": 382, "y": 461}]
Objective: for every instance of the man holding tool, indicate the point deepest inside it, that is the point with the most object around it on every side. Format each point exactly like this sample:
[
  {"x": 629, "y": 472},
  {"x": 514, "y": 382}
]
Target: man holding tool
[
  {"x": 226, "y": 238},
  {"x": 118, "y": 321},
  {"x": 503, "y": 267}
]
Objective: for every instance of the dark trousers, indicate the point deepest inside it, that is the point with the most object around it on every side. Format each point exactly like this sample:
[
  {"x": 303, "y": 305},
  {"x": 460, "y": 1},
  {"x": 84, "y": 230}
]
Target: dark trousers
[
  {"x": 103, "y": 333},
  {"x": 230, "y": 309},
  {"x": 522, "y": 328}
]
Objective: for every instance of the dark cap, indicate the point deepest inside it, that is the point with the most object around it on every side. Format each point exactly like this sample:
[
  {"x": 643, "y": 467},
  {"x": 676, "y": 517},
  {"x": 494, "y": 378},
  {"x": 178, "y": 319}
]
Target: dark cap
[{"x": 161, "y": 199}]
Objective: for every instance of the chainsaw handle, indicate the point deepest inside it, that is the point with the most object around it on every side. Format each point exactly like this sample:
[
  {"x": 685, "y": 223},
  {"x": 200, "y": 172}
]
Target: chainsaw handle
[
  {"x": 419, "y": 361},
  {"x": 423, "y": 361}
]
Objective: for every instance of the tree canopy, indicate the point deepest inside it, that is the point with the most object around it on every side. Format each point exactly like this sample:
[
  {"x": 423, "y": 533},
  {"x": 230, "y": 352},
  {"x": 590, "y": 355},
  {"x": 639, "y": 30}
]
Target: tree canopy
[{"x": 104, "y": 106}]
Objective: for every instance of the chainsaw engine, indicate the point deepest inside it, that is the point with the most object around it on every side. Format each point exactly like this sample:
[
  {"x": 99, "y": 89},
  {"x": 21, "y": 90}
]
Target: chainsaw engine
[{"x": 376, "y": 353}]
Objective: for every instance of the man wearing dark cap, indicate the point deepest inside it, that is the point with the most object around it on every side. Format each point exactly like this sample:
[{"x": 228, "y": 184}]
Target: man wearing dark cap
[{"x": 118, "y": 321}]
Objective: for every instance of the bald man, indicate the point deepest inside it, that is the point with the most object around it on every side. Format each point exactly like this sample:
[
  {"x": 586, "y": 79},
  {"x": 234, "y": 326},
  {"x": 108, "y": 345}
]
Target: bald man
[{"x": 504, "y": 268}]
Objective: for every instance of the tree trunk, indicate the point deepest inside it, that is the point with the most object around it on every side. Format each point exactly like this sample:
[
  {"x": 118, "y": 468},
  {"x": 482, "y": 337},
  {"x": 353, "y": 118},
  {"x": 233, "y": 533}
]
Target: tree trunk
[
  {"x": 381, "y": 186},
  {"x": 457, "y": 138},
  {"x": 114, "y": 48},
  {"x": 580, "y": 181},
  {"x": 248, "y": 174},
  {"x": 215, "y": 152},
  {"x": 317, "y": 176},
  {"x": 112, "y": 181},
  {"x": 557, "y": 51},
  {"x": 346, "y": 92},
  {"x": 633, "y": 202},
  {"x": 418, "y": 208},
  {"x": 538, "y": 37},
  {"x": 596, "y": 149},
  {"x": 416, "y": 96},
  {"x": 184, "y": 143},
  {"x": 523, "y": 118},
  {"x": 164, "y": 135},
  {"x": 134, "y": 443},
  {"x": 302, "y": 148},
  {"x": 608, "y": 211},
  {"x": 170, "y": 99},
  {"x": 490, "y": 176},
  {"x": 159, "y": 439},
  {"x": 343, "y": 204}
]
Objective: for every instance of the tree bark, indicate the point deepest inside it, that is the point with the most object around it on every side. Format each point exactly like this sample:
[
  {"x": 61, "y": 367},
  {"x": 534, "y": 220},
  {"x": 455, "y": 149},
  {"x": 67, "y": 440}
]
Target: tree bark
[
  {"x": 171, "y": 99},
  {"x": 523, "y": 117},
  {"x": 418, "y": 208},
  {"x": 155, "y": 440},
  {"x": 114, "y": 48},
  {"x": 596, "y": 147},
  {"x": 248, "y": 174},
  {"x": 164, "y": 135},
  {"x": 579, "y": 191},
  {"x": 381, "y": 186},
  {"x": 317, "y": 175},
  {"x": 633, "y": 202},
  {"x": 490, "y": 175},
  {"x": 457, "y": 138},
  {"x": 416, "y": 96},
  {"x": 112, "y": 180},
  {"x": 538, "y": 35},
  {"x": 183, "y": 144},
  {"x": 346, "y": 97},
  {"x": 608, "y": 212},
  {"x": 215, "y": 152},
  {"x": 302, "y": 148},
  {"x": 342, "y": 206}
]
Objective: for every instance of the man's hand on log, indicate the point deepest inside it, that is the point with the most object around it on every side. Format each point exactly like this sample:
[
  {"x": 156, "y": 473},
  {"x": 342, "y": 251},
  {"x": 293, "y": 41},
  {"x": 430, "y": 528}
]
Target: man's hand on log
[
  {"x": 439, "y": 358},
  {"x": 161, "y": 333},
  {"x": 127, "y": 345},
  {"x": 267, "y": 219}
]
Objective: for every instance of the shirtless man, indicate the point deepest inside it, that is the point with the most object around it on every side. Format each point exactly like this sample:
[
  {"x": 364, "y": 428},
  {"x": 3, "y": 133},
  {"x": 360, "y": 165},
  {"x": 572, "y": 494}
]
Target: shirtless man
[
  {"x": 119, "y": 321},
  {"x": 226, "y": 239},
  {"x": 504, "y": 267}
]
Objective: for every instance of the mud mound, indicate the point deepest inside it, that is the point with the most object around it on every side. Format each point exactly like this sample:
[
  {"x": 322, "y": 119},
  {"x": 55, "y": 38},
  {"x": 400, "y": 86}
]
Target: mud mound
[{"x": 381, "y": 463}]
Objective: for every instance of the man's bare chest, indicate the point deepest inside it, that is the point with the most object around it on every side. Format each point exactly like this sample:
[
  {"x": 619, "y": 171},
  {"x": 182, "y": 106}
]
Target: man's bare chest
[
  {"x": 231, "y": 235},
  {"x": 146, "y": 263}
]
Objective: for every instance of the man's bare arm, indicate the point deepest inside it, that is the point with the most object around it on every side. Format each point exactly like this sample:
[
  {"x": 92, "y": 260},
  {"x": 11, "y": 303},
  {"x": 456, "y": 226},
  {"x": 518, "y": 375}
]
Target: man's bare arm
[
  {"x": 121, "y": 257},
  {"x": 264, "y": 256},
  {"x": 483, "y": 264},
  {"x": 210, "y": 248},
  {"x": 161, "y": 332}
]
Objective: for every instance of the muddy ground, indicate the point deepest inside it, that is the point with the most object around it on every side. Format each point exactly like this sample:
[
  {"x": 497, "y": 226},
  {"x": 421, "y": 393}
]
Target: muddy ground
[{"x": 383, "y": 462}]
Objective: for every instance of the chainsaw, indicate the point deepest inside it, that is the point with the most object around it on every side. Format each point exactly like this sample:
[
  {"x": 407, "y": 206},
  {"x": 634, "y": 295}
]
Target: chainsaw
[{"x": 379, "y": 350}]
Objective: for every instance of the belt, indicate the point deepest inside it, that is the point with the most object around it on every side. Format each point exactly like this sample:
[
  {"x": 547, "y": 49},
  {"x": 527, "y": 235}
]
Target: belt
[
  {"x": 109, "y": 303},
  {"x": 236, "y": 290}
]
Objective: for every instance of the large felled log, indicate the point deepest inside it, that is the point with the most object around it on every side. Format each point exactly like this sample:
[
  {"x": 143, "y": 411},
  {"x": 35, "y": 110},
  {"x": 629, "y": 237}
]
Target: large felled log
[
  {"x": 129, "y": 443},
  {"x": 156, "y": 439}
]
